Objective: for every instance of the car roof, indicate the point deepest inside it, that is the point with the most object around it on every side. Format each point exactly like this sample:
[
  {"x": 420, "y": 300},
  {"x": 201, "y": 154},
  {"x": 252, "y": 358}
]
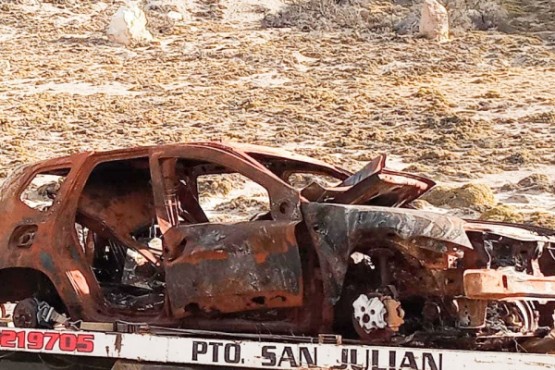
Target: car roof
[{"x": 244, "y": 150}]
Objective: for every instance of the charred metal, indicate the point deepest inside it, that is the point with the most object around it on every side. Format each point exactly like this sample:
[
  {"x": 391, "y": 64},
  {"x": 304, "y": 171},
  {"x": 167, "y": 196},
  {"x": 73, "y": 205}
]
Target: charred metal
[{"x": 124, "y": 235}]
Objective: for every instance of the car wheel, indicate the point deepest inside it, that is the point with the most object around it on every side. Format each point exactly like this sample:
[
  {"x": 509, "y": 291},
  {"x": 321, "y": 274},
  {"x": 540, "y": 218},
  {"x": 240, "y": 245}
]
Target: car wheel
[{"x": 25, "y": 314}]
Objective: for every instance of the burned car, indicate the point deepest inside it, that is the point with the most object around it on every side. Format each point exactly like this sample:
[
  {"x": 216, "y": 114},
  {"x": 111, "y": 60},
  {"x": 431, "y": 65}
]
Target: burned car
[{"x": 134, "y": 235}]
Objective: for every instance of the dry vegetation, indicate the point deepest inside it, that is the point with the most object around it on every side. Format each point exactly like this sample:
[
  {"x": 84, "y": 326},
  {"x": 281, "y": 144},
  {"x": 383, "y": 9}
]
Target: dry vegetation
[{"x": 340, "y": 81}]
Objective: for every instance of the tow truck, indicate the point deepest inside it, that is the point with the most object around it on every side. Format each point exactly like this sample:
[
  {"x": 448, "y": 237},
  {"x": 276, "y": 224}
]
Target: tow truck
[
  {"x": 126, "y": 346},
  {"x": 131, "y": 259}
]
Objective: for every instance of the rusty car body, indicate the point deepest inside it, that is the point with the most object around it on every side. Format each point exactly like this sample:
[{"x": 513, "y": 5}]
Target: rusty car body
[{"x": 348, "y": 257}]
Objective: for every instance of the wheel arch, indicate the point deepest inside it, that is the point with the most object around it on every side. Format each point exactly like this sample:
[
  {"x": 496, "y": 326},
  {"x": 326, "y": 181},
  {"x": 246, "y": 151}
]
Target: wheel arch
[{"x": 19, "y": 283}]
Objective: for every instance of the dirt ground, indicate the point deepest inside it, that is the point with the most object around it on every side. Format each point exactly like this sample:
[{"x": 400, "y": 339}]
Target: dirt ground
[{"x": 477, "y": 109}]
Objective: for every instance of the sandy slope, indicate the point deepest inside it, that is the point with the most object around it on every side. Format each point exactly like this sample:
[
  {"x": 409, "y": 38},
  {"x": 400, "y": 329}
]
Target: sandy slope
[{"x": 480, "y": 108}]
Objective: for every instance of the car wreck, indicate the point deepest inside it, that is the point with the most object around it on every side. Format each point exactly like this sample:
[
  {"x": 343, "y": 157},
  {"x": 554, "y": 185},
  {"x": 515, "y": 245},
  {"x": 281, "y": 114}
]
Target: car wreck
[{"x": 126, "y": 235}]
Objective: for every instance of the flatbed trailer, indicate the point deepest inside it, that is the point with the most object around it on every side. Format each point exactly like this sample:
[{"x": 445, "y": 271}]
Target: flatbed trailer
[{"x": 35, "y": 349}]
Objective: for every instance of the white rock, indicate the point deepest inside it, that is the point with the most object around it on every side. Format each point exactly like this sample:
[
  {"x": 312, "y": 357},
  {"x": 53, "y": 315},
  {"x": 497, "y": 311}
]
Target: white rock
[
  {"x": 175, "y": 10},
  {"x": 128, "y": 26},
  {"x": 175, "y": 16},
  {"x": 434, "y": 22}
]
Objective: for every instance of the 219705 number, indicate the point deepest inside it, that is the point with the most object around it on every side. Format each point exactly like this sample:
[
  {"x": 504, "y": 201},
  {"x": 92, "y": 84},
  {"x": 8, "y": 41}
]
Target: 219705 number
[{"x": 36, "y": 340}]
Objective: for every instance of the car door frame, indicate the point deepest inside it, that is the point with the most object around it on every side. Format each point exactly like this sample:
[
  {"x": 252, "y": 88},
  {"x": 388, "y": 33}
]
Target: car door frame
[
  {"x": 284, "y": 210},
  {"x": 285, "y": 201}
]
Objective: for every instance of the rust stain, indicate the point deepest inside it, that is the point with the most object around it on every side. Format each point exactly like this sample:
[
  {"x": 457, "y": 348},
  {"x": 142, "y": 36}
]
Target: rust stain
[
  {"x": 125, "y": 238},
  {"x": 117, "y": 344}
]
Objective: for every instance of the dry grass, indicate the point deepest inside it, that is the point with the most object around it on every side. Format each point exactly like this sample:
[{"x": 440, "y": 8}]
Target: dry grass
[
  {"x": 403, "y": 16},
  {"x": 478, "y": 105},
  {"x": 327, "y": 15}
]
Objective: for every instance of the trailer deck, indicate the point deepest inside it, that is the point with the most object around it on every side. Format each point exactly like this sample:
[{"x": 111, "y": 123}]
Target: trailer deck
[{"x": 149, "y": 351}]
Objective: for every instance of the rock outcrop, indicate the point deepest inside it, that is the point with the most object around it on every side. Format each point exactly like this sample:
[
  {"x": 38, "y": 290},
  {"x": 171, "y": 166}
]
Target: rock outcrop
[
  {"x": 128, "y": 26},
  {"x": 434, "y": 21}
]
